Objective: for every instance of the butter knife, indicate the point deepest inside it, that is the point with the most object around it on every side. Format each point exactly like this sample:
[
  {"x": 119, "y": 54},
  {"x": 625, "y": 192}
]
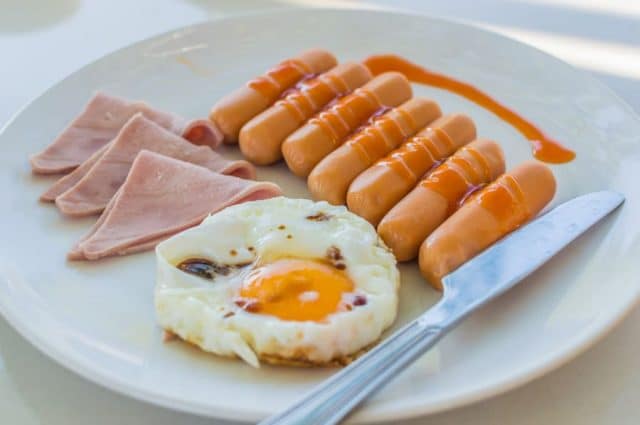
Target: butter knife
[{"x": 476, "y": 282}]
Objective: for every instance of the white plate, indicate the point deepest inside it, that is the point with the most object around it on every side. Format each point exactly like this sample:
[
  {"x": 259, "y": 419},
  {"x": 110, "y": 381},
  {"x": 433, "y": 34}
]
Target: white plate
[{"x": 97, "y": 318}]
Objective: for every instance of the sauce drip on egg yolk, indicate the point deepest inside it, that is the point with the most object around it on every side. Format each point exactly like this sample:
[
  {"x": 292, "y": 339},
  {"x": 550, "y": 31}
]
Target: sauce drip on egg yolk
[{"x": 294, "y": 289}]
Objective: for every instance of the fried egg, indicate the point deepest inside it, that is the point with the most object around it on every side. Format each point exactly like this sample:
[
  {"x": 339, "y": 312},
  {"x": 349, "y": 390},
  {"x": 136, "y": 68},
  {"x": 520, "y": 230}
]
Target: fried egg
[{"x": 281, "y": 280}]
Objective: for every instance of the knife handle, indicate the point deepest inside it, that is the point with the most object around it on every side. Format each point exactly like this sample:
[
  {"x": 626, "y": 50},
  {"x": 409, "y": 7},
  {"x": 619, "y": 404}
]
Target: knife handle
[{"x": 336, "y": 397}]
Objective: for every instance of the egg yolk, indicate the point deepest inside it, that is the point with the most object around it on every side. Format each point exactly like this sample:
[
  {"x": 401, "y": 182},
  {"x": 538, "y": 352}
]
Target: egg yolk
[{"x": 294, "y": 289}]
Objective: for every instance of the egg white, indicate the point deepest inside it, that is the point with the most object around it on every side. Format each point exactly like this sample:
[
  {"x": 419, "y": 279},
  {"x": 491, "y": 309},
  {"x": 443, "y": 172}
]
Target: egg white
[{"x": 203, "y": 312}]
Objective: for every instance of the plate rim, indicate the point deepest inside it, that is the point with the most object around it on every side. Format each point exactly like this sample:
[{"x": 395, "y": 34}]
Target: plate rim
[{"x": 535, "y": 370}]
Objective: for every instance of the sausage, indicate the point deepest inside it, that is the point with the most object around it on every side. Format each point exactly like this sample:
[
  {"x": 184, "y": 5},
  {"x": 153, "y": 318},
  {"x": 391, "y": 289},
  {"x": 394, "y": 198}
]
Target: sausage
[
  {"x": 439, "y": 195},
  {"x": 330, "y": 179},
  {"x": 234, "y": 110},
  {"x": 262, "y": 137},
  {"x": 496, "y": 210},
  {"x": 374, "y": 192},
  {"x": 303, "y": 149}
]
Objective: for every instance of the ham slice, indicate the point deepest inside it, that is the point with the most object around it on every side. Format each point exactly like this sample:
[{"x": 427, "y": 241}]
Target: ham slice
[
  {"x": 101, "y": 120},
  {"x": 67, "y": 182},
  {"x": 92, "y": 191},
  {"x": 161, "y": 197}
]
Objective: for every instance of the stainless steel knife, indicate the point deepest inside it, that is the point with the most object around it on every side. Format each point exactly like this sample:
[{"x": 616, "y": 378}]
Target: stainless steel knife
[{"x": 478, "y": 281}]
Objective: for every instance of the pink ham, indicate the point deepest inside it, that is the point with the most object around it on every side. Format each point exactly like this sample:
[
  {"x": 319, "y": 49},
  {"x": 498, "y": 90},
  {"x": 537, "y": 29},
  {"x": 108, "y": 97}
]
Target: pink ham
[
  {"x": 67, "y": 182},
  {"x": 161, "y": 197},
  {"x": 101, "y": 120},
  {"x": 92, "y": 191}
]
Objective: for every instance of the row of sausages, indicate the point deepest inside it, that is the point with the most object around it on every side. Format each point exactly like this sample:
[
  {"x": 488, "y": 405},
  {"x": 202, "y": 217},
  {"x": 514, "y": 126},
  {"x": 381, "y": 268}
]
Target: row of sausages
[{"x": 393, "y": 159}]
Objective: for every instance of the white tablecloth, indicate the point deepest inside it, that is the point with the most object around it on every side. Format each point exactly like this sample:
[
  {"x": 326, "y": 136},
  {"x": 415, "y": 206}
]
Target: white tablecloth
[{"x": 44, "y": 41}]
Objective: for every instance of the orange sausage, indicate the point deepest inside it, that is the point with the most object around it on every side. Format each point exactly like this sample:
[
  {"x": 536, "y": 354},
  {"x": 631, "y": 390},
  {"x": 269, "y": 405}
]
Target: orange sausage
[
  {"x": 495, "y": 211},
  {"x": 234, "y": 110},
  {"x": 330, "y": 179},
  {"x": 438, "y": 196},
  {"x": 374, "y": 192},
  {"x": 304, "y": 148},
  {"x": 262, "y": 137}
]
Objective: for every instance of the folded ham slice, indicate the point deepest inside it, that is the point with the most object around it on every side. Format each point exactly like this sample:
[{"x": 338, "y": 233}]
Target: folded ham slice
[
  {"x": 101, "y": 120},
  {"x": 161, "y": 197},
  {"x": 68, "y": 181},
  {"x": 92, "y": 191}
]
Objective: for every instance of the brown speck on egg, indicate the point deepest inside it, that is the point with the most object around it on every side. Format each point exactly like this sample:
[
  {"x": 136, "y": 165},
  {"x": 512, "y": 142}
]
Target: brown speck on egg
[
  {"x": 359, "y": 300},
  {"x": 252, "y": 306},
  {"x": 251, "y": 249},
  {"x": 319, "y": 216},
  {"x": 289, "y": 236},
  {"x": 208, "y": 269},
  {"x": 282, "y": 227},
  {"x": 233, "y": 252},
  {"x": 334, "y": 255},
  {"x": 228, "y": 314},
  {"x": 203, "y": 268},
  {"x": 247, "y": 305}
]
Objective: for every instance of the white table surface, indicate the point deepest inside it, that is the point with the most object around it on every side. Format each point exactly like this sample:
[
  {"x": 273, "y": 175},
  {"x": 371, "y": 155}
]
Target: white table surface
[{"x": 45, "y": 40}]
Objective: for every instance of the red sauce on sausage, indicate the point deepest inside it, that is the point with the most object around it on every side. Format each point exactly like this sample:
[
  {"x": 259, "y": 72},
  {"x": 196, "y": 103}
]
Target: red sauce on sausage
[
  {"x": 419, "y": 154},
  {"x": 340, "y": 118},
  {"x": 458, "y": 176},
  {"x": 376, "y": 140},
  {"x": 302, "y": 83},
  {"x": 505, "y": 200},
  {"x": 278, "y": 79},
  {"x": 544, "y": 147},
  {"x": 310, "y": 96}
]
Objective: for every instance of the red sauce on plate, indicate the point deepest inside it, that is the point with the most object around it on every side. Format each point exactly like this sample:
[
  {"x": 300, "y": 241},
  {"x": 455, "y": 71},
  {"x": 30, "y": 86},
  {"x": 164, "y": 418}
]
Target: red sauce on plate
[{"x": 544, "y": 147}]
